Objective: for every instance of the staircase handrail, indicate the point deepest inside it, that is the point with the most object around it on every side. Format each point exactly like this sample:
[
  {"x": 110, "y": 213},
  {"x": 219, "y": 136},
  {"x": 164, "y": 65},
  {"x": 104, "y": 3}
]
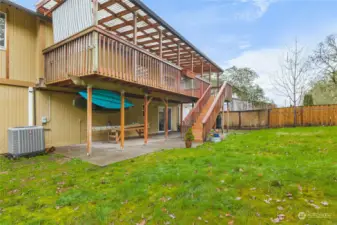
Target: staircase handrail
[{"x": 191, "y": 116}]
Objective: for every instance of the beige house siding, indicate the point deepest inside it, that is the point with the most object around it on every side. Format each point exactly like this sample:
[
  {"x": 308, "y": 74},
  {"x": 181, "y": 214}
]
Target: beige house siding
[
  {"x": 27, "y": 37},
  {"x": 13, "y": 113}
]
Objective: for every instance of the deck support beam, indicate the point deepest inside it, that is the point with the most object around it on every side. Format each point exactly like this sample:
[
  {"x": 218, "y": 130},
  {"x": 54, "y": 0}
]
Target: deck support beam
[
  {"x": 122, "y": 135},
  {"x": 147, "y": 102},
  {"x": 181, "y": 118},
  {"x": 89, "y": 120}
]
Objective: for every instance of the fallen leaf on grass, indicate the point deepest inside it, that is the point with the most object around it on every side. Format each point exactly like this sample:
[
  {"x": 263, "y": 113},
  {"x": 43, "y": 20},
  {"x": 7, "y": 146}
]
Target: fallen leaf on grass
[
  {"x": 280, "y": 208},
  {"x": 276, "y": 220},
  {"x": 325, "y": 203},
  {"x": 172, "y": 216},
  {"x": 231, "y": 222},
  {"x": 143, "y": 222}
]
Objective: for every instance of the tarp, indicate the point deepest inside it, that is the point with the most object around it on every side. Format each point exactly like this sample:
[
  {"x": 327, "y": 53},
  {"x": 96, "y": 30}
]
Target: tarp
[{"x": 106, "y": 99}]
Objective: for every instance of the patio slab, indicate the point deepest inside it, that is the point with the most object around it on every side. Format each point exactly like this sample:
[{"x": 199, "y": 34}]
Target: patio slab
[{"x": 104, "y": 153}]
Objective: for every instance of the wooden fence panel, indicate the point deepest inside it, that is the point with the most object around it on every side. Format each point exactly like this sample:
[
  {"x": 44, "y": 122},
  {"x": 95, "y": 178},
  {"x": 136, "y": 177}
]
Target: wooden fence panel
[{"x": 325, "y": 115}]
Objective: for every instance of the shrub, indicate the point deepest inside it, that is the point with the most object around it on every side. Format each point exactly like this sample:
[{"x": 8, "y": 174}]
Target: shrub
[{"x": 189, "y": 135}]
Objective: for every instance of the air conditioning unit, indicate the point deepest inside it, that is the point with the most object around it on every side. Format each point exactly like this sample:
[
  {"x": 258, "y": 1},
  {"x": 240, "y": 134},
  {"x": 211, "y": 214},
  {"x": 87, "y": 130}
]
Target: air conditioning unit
[{"x": 25, "y": 141}]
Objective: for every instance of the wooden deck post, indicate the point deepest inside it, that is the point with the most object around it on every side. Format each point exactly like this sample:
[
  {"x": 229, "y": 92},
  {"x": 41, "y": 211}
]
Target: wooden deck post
[
  {"x": 122, "y": 135},
  {"x": 166, "y": 120},
  {"x": 89, "y": 120},
  {"x": 147, "y": 102},
  {"x": 145, "y": 119},
  {"x": 181, "y": 118},
  {"x": 223, "y": 118}
]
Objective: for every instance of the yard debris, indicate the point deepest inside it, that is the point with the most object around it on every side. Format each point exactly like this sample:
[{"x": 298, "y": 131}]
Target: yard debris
[
  {"x": 276, "y": 220},
  {"x": 199, "y": 218},
  {"x": 172, "y": 216},
  {"x": 280, "y": 208},
  {"x": 238, "y": 198},
  {"x": 268, "y": 200},
  {"x": 75, "y": 209},
  {"x": 143, "y": 222},
  {"x": 50, "y": 150},
  {"x": 231, "y": 222},
  {"x": 228, "y": 215},
  {"x": 258, "y": 214},
  {"x": 300, "y": 188},
  {"x": 315, "y": 206},
  {"x": 13, "y": 191},
  {"x": 281, "y": 217},
  {"x": 325, "y": 203},
  {"x": 253, "y": 189},
  {"x": 4, "y": 173}
]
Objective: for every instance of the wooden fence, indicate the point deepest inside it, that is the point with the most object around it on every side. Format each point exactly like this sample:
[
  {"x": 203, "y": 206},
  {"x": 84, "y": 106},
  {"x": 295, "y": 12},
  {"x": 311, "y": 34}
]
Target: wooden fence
[{"x": 325, "y": 115}]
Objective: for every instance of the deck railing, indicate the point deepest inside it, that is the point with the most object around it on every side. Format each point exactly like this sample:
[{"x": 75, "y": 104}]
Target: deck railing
[
  {"x": 97, "y": 52},
  {"x": 225, "y": 93}
]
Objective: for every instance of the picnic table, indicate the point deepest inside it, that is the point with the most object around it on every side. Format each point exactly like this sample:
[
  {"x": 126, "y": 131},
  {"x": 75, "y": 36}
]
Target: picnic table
[{"x": 114, "y": 131}]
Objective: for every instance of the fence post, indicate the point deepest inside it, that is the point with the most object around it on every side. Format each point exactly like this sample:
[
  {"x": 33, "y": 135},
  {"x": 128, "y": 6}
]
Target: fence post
[
  {"x": 302, "y": 112},
  {"x": 268, "y": 118},
  {"x": 240, "y": 120}
]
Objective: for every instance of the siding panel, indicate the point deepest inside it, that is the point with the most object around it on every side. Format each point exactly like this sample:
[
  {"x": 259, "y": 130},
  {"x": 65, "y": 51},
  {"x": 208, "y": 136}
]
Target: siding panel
[
  {"x": 14, "y": 102},
  {"x": 25, "y": 43}
]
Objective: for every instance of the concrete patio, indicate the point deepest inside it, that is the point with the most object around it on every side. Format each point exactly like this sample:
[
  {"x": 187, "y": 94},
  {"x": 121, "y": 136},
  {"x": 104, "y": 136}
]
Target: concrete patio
[{"x": 104, "y": 153}]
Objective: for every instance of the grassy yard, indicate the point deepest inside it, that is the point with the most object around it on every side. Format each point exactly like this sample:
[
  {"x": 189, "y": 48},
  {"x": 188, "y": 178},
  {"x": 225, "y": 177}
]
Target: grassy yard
[{"x": 250, "y": 178}]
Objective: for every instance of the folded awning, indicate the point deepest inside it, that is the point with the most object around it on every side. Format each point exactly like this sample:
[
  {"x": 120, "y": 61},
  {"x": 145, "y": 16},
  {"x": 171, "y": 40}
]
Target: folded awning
[{"x": 106, "y": 99}]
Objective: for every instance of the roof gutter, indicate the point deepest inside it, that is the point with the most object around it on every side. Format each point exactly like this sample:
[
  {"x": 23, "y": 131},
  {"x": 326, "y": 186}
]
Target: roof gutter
[
  {"x": 172, "y": 30},
  {"x": 31, "y": 12}
]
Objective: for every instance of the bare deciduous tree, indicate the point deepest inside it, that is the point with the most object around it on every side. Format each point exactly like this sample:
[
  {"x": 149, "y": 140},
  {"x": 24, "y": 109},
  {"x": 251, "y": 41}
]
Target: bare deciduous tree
[
  {"x": 293, "y": 81},
  {"x": 325, "y": 58}
]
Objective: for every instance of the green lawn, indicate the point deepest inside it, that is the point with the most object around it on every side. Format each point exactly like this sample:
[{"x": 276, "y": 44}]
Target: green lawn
[{"x": 248, "y": 179}]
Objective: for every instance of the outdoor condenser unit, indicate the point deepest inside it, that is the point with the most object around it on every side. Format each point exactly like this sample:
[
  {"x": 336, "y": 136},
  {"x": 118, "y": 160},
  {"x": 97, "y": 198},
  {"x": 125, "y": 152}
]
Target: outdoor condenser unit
[{"x": 25, "y": 141}]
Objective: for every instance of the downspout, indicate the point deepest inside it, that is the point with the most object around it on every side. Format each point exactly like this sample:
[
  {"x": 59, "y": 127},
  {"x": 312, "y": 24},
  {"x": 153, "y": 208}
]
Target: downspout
[{"x": 31, "y": 106}]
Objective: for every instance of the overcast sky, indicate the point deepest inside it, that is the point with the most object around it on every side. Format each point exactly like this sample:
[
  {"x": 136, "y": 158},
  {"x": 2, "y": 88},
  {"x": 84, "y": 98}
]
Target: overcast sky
[{"x": 251, "y": 33}]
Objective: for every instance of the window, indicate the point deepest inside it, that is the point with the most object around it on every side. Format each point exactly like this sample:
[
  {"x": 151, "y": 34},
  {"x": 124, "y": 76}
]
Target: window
[{"x": 2, "y": 30}]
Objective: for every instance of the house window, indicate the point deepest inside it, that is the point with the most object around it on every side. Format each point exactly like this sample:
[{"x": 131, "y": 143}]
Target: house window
[{"x": 2, "y": 30}]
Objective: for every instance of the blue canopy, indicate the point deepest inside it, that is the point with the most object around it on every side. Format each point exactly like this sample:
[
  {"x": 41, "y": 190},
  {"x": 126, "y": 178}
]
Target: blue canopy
[{"x": 106, "y": 99}]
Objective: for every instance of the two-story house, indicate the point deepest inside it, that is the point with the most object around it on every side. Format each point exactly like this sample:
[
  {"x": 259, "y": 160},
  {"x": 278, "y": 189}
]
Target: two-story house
[{"x": 79, "y": 64}]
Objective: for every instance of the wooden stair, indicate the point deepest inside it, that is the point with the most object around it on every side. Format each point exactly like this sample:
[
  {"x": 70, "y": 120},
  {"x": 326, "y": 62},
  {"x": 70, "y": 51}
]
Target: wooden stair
[{"x": 198, "y": 126}]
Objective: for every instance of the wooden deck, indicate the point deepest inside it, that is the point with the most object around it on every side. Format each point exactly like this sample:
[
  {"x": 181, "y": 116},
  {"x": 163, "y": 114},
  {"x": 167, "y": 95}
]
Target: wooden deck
[{"x": 98, "y": 52}]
